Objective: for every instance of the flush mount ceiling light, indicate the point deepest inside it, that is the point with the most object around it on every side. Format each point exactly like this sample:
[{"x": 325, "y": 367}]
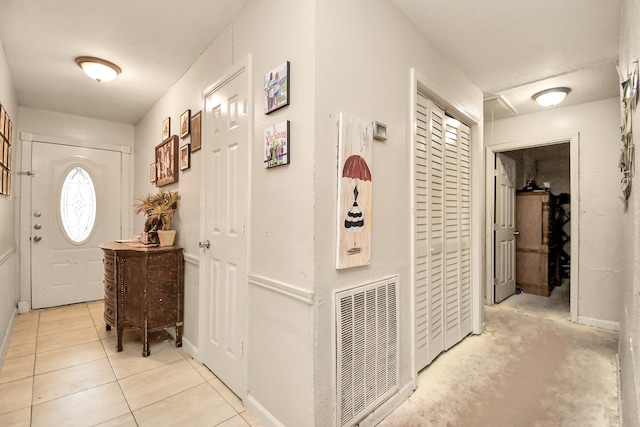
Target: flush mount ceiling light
[
  {"x": 98, "y": 69},
  {"x": 550, "y": 97}
]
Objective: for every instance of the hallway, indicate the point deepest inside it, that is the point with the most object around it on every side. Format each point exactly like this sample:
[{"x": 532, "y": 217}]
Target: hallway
[{"x": 532, "y": 367}]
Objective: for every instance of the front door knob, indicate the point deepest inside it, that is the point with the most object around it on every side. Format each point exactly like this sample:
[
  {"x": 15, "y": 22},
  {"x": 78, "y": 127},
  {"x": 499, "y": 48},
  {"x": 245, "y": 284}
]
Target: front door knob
[
  {"x": 37, "y": 226},
  {"x": 37, "y": 238}
]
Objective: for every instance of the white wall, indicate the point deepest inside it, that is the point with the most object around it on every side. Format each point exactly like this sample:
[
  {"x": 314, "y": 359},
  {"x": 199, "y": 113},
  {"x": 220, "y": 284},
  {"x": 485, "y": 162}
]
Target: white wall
[
  {"x": 629, "y": 308},
  {"x": 364, "y": 53},
  {"x": 281, "y": 270},
  {"x": 9, "y": 286},
  {"x": 600, "y": 213}
]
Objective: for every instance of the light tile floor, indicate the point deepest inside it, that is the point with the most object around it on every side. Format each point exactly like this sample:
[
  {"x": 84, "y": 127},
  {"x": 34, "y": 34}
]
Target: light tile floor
[{"x": 62, "y": 369}]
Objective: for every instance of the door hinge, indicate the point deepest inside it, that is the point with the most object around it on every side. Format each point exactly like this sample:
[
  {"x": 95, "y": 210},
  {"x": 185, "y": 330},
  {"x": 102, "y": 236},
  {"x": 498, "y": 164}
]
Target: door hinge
[{"x": 27, "y": 173}]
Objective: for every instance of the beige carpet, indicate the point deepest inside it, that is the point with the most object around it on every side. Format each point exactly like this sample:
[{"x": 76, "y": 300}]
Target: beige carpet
[{"x": 532, "y": 367}]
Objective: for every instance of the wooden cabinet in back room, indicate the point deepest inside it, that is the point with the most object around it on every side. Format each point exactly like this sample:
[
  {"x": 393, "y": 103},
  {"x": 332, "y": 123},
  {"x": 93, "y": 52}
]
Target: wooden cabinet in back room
[{"x": 536, "y": 262}]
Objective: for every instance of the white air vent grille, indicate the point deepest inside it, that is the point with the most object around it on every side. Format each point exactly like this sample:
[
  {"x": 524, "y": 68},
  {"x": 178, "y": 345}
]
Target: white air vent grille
[
  {"x": 496, "y": 107},
  {"x": 367, "y": 348}
]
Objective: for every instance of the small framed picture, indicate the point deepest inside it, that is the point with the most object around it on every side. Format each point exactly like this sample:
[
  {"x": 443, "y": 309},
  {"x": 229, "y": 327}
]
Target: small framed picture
[
  {"x": 166, "y": 128},
  {"x": 276, "y": 145},
  {"x": 152, "y": 172},
  {"x": 276, "y": 88},
  {"x": 185, "y": 157},
  {"x": 184, "y": 123},
  {"x": 167, "y": 161},
  {"x": 196, "y": 134}
]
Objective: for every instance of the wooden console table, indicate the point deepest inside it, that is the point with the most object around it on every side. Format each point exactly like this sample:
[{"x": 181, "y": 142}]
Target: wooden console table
[{"x": 143, "y": 290}]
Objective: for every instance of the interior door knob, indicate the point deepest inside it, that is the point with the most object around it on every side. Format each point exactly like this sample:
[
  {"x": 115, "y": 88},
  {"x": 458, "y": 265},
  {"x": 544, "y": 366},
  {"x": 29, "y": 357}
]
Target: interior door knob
[
  {"x": 37, "y": 226},
  {"x": 516, "y": 233},
  {"x": 206, "y": 244},
  {"x": 37, "y": 238}
]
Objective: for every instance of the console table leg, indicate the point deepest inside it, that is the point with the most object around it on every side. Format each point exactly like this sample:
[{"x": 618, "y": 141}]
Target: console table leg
[
  {"x": 119, "y": 333},
  {"x": 108, "y": 327},
  {"x": 179, "y": 335},
  {"x": 145, "y": 344}
]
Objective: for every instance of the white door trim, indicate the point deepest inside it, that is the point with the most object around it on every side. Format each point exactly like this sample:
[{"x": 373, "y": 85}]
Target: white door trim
[
  {"x": 126, "y": 194},
  {"x": 490, "y": 151},
  {"x": 237, "y": 68}
]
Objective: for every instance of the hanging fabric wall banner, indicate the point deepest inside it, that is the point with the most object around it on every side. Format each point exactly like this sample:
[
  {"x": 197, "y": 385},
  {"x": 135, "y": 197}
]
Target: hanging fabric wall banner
[{"x": 354, "y": 192}]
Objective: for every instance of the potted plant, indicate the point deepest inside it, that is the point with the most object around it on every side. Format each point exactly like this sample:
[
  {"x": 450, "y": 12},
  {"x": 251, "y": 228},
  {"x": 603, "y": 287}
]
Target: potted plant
[{"x": 159, "y": 209}]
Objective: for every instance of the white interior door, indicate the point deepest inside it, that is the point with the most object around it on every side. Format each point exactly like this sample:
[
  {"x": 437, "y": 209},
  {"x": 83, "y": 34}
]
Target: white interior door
[
  {"x": 66, "y": 263},
  {"x": 226, "y": 159},
  {"x": 505, "y": 231}
]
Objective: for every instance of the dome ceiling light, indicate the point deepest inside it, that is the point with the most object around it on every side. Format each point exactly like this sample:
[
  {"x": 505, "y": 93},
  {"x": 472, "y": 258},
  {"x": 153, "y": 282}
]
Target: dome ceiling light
[
  {"x": 550, "y": 97},
  {"x": 98, "y": 69}
]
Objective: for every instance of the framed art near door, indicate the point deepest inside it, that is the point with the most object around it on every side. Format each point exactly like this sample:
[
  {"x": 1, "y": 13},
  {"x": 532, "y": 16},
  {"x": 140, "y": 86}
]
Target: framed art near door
[{"x": 167, "y": 161}]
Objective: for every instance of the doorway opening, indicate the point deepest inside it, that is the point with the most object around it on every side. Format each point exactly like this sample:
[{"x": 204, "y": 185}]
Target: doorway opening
[
  {"x": 548, "y": 169},
  {"x": 542, "y": 228}
]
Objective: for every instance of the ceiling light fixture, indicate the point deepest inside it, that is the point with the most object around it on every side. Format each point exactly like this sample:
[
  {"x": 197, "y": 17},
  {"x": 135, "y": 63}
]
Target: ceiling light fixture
[
  {"x": 98, "y": 69},
  {"x": 550, "y": 97}
]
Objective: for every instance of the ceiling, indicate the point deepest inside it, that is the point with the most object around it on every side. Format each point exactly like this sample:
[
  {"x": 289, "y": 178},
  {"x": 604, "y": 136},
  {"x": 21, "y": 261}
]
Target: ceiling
[
  {"x": 154, "y": 42},
  {"x": 509, "y": 49},
  {"x": 515, "y": 48}
]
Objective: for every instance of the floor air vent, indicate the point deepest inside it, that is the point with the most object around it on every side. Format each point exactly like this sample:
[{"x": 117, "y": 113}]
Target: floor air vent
[{"x": 367, "y": 348}]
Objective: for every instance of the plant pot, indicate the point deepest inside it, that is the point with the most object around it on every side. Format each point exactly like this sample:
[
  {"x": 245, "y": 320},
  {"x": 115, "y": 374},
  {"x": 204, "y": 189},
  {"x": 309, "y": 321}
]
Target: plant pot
[{"x": 166, "y": 237}]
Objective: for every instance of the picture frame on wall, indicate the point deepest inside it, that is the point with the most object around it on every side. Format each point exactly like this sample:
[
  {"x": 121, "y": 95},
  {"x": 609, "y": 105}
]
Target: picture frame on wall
[
  {"x": 276, "y": 88},
  {"x": 167, "y": 161},
  {"x": 185, "y": 157},
  {"x": 152, "y": 172},
  {"x": 185, "y": 123},
  {"x": 196, "y": 132},
  {"x": 166, "y": 128},
  {"x": 5, "y": 154},
  {"x": 276, "y": 145}
]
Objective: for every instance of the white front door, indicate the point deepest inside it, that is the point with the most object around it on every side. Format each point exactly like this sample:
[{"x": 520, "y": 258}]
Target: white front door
[
  {"x": 226, "y": 157},
  {"x": 505, "y": 234},
  {"x": 66, "y": 262}
]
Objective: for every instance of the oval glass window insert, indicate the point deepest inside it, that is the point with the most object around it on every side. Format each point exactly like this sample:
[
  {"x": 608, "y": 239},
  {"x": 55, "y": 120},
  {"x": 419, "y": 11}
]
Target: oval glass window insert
[{"x": 78, "y": 204}]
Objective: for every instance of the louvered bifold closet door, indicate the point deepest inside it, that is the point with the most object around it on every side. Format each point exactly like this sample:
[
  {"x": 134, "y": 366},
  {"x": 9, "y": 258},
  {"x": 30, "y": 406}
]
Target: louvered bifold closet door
[
  {"x": 429, "y": 217},
  {"x": 442, "y": 209},
  {"x": 457, "y": 232},
  {"x": 464, "y": 138}
]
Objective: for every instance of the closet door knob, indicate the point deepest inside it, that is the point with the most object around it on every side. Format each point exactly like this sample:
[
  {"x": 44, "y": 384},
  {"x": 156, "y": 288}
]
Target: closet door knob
[{"x": 516, "y": 233}]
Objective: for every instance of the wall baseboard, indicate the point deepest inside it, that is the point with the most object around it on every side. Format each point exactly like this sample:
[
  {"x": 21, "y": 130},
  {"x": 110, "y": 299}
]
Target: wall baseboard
[
  {"x": 259, "y": 412},
  {"x": 7, "y": 336},
  {"x": 603, "y": 324}
]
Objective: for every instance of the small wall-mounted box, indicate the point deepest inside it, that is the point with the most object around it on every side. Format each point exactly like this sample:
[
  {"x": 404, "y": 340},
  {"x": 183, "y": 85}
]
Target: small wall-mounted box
[{"x": 379, "y": 131}]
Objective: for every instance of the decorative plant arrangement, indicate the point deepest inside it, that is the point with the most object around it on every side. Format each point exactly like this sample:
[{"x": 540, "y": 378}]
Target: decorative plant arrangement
[{"x": 159, "y": 209}]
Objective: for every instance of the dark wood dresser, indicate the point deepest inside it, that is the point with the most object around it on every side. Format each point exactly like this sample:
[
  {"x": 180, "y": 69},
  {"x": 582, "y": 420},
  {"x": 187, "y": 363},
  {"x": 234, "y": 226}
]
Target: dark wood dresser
[{"x": 143, "y": 290}]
